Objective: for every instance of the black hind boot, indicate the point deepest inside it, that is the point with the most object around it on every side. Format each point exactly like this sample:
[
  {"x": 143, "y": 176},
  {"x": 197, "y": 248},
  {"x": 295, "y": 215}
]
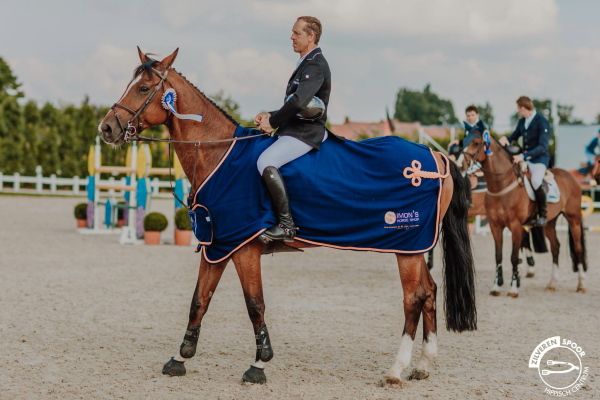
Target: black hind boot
[{"x": 285, "y": 229}]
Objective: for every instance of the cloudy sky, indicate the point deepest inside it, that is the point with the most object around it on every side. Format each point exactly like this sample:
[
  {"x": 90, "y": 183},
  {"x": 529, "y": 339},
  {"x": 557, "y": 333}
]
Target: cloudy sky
[{"x": 469, "y": 50}]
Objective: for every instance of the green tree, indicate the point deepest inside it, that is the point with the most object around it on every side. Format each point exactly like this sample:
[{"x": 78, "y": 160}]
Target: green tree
[
  {"x": 425, "y": 107},
  {"x": 12, "y": 141},
  {"x": 486, "y": 114},
  {"x": 9, "y": 85},
  {"x": 565, "y": 115}
]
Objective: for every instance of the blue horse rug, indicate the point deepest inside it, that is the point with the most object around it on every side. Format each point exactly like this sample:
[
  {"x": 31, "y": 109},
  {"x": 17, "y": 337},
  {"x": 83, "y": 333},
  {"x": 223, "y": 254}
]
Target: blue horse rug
[{"x": 379, "y": 194}]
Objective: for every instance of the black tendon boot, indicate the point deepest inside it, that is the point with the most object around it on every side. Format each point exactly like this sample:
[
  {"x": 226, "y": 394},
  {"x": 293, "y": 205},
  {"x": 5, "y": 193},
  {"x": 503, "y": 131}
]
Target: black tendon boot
[
  {"x": 285, "y": 229},
  {"x": 540, "y": 199}
]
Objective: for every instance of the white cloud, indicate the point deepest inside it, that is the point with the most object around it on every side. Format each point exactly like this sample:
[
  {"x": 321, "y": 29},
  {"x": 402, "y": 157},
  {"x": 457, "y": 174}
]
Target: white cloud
[
  {"x": 468, "y": 20},
  {"x": 248, "y": 74}
]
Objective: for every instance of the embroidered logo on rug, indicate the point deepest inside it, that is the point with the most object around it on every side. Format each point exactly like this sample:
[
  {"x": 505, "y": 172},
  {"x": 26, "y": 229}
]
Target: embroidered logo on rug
[{"x": 402, "y": 220}]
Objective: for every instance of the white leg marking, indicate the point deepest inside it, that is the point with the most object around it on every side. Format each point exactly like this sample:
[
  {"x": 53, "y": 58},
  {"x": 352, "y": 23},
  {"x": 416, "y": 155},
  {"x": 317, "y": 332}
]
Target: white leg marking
[
  {"x": 429, "y": 352},
  {"x": 403, "y": 356},
  {"x": 553, "y": 277},
  {"x": 259, "y": 364},
  {"x": 581, "y": 284},
  {"x": 513, "y": 287},
  {"x": 179, "y": 358}
]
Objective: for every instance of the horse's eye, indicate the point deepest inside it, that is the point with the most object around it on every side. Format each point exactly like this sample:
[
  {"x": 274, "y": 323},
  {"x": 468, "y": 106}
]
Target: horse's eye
[{"x": 144, "y": 89}]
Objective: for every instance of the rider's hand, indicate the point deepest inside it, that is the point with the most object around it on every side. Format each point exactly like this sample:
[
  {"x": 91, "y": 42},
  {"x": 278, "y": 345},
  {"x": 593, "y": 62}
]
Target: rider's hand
[
  {"x": 260, "y": 117},
  {"x": 503, "y": 141},
  {"x": 518, "y": 158},
  {"x": 265, "y": 125}
]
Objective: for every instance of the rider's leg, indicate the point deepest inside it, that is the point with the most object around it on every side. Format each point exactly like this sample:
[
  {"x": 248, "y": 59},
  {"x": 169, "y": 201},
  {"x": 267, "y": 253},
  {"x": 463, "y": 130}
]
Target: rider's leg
[
  {"x": 281, "y": 152},
  {"x": 538, "y": 170}
]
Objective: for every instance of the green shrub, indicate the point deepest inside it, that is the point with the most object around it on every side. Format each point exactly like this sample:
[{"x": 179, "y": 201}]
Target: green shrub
[
  {"x": 182, "y": 220},
  {"x": 81, "y": 211},
  {"x": 155, "y": 222}
]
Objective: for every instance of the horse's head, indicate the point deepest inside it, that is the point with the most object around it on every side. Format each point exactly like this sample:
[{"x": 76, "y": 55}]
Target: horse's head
[
  {"x": 140, "y": 105},
  {"x": 473, "y": 151}
]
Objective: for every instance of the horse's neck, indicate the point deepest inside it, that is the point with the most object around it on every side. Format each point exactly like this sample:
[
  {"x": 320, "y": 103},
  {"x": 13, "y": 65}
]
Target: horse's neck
[
  {"x": 198, "y": 162},
  {"x": 497, "y": 169}
]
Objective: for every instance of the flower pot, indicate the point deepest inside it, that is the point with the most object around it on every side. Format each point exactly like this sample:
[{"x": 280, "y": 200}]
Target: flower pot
[
  {"x": 183, "y": 237},
  {"x": 81, "y": 223},
  {"x": 152, "y": 237}
]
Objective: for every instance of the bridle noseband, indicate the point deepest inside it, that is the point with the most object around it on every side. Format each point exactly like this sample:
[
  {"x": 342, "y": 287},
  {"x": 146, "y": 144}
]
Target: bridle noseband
[{"x": 130, "y": 132}]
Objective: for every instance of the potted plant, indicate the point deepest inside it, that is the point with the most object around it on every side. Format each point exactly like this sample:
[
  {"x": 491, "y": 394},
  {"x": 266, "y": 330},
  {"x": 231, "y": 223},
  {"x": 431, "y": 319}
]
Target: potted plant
[
  {"x": 81, "y": 215},
  {"x": 183, "y": 228},
  {"x": 154, "y": 224}
]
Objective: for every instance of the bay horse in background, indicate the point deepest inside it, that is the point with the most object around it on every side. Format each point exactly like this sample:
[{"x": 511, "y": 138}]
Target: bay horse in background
[
  {"x": 508, "y": 206},
  {"x": 140, "y": 108}
]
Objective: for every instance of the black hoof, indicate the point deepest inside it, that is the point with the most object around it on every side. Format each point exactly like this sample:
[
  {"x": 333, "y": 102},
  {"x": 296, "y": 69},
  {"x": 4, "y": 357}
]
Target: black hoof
[
  {"x": 254, "y": 375},
  {"x": 190, "y": 340},
  {"x": 174, "y": 368},
  {"x": 530, "y": 261}
]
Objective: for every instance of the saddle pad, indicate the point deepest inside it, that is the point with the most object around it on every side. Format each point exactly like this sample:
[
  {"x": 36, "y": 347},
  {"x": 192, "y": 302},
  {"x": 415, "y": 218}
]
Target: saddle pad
[{"x": 553, "y": 194}]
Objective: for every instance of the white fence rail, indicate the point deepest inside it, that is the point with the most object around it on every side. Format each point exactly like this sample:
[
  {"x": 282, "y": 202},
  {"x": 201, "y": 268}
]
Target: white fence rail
[{"x": 76, "y": 185}]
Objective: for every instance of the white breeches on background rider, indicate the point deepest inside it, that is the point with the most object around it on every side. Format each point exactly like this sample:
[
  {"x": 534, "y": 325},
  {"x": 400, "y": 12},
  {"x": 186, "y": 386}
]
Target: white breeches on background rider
[
  {"x": 538, "y": 170},
  {"x": 282, "y": 151}
]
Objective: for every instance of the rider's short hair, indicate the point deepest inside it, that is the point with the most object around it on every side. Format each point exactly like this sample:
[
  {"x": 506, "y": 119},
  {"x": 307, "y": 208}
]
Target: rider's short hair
[
  {"x": 525, "y": 102},
  {"x": 472, "y": 108},
  {"x": 312, "y": 25}
]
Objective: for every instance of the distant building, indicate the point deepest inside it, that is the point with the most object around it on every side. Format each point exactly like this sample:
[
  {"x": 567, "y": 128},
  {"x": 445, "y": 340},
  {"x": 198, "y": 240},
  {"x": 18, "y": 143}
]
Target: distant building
[{"x": 359, "y": 130}]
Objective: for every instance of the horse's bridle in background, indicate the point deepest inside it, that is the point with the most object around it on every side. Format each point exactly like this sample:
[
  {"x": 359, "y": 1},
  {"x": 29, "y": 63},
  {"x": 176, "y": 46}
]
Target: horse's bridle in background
[{"x": 131, "y": 130}]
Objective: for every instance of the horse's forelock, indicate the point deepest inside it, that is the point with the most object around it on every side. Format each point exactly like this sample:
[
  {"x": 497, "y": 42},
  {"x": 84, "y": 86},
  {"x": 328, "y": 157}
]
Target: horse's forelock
[{"x": 145, "y": 67}]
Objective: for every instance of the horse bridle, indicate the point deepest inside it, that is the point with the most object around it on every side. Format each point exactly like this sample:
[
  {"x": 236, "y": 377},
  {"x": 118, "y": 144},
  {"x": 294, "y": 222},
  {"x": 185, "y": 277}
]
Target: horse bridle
[
  {"x": 473, "y": 156},
  {"x": 130, "y": 132},
  {"x": 516, "y": 170},
  {"x": 134, "y": 125}
]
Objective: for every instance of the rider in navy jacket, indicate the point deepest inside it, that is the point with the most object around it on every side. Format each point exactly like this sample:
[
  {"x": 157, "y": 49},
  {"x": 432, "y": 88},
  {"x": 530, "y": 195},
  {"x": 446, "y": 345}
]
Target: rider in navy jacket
[
  {"x": 534, "y": 128},
  {"x": 535, "y": 138},
  {"x": 296, "y": 134}
]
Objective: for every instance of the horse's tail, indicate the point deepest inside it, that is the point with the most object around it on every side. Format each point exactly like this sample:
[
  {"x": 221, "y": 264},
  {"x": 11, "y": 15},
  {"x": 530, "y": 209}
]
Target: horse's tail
[
  {"x": 459, "y": 275},
  {"x": 574, "y": 257}
]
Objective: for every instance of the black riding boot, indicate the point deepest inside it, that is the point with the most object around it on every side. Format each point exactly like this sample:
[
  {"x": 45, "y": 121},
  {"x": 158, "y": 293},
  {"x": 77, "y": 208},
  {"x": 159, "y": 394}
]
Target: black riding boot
[
  {"x": 285, "y": 229},
  {"x": 540, "y": 199}
]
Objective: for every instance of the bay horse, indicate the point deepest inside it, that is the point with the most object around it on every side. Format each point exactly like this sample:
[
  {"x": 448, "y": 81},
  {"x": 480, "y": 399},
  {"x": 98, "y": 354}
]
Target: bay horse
[
  {"x": 201, "y": 145},
  {"x": 508, "y": 206}
]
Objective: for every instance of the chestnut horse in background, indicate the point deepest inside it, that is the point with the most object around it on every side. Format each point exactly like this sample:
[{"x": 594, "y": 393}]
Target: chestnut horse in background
[
  {"x": 201, "y": 145},
  {"x": 508, "y": 206}
]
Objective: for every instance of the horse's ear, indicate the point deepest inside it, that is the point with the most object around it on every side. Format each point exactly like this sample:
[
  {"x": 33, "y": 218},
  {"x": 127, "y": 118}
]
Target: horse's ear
[
  {"x": 143, "y": 57},
  {"x": 169, "y": 60}
]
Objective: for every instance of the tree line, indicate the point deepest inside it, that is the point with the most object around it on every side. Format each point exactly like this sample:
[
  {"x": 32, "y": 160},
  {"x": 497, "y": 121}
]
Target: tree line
[
  {"x": 58, "y": 137},
  {"x": 429, "y": 108}
]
